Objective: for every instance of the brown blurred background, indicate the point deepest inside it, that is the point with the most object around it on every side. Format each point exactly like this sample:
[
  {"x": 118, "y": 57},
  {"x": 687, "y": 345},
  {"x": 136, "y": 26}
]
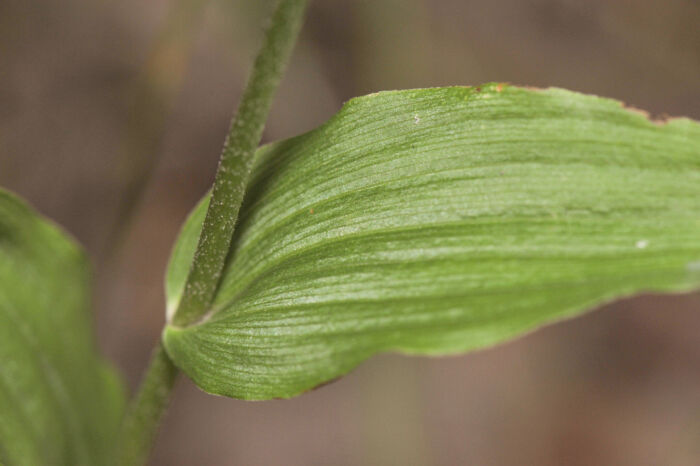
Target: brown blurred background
[{"x": 112, "y": 115}]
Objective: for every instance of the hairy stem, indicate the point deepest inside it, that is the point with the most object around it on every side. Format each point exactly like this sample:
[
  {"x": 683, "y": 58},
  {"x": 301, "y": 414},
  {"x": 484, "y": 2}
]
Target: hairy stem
[
  {"x": 236, "y": 162},
  {"x": 149, "y": 404},
  {"x": 147, "y": 408}
]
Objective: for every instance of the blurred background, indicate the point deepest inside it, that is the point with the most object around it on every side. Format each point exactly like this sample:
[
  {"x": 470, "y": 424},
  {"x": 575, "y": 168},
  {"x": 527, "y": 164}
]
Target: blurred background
[{"x": 112, "y": 116}]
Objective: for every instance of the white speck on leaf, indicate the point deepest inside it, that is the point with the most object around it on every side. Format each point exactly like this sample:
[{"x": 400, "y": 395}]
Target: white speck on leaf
[
  {"x": 642, "y": 244},
  {"x": 416, "y": 119}
]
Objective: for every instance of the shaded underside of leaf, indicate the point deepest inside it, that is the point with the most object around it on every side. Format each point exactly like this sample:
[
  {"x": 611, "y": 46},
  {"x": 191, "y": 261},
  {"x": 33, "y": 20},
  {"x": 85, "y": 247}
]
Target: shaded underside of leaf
[
  {"x": 60, "y": 404},
  {"x": 436, "y": 221}
]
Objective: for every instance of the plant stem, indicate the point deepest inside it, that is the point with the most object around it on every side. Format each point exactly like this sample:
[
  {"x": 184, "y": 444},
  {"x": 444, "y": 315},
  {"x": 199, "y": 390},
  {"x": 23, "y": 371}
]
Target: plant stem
[
  {"x": 147, "y": 408},
  {"x": 149, "y": 404},
  {"x": 236, "y": 163}
]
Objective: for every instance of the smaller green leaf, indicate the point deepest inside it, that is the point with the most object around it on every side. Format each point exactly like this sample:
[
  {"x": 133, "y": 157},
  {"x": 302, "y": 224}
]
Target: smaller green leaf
[
  {"x": 60, "y": 403},
  {"x": 436, "y": 221}
]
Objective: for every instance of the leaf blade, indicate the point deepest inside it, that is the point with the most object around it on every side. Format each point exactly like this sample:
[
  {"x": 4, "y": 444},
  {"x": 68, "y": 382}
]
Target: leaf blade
[
  {"x": 437, "y": 221},
  {"x": 60, "y": 404}
]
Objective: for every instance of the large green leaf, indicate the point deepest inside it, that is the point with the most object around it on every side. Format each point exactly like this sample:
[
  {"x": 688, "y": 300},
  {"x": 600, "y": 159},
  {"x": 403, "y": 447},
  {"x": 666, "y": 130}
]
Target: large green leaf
[
  {"x": 437, "y": 221},
  {"x": 60, "y": 404}
]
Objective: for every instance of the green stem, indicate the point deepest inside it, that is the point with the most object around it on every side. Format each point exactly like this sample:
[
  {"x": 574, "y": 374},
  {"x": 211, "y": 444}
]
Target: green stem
[
  {"x": 236, "y": 163},
  {"x": 149, "y": 404},
  {"x": 147, "y": 408}
]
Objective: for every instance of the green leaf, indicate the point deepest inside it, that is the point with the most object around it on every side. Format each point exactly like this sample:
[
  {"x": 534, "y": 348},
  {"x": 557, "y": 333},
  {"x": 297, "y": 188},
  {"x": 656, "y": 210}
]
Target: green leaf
[
  {"x": 436, "y": 221},
  {"x": 60, "y": 404}
]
